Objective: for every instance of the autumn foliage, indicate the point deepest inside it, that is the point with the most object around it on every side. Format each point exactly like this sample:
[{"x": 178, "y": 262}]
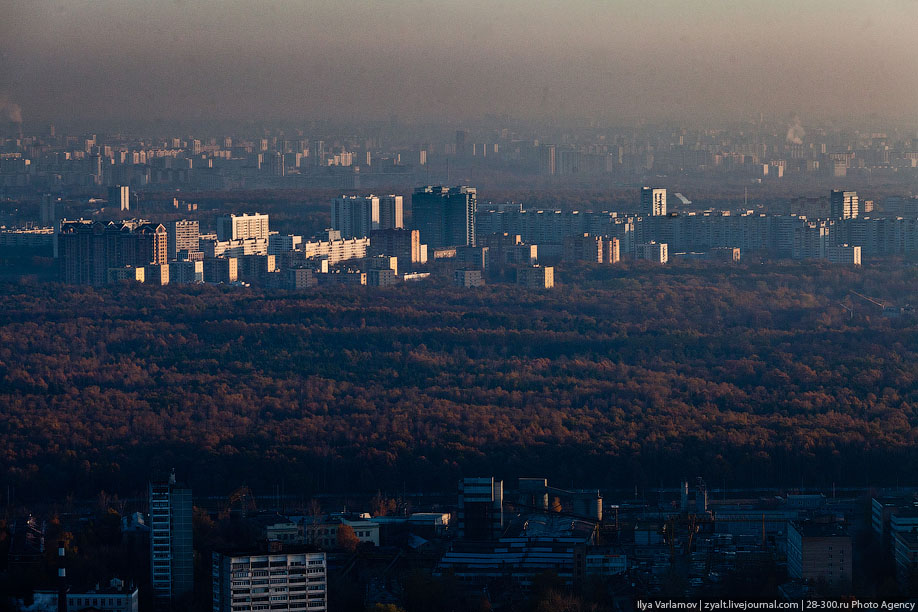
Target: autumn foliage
[{"x": 750, "y": 375}]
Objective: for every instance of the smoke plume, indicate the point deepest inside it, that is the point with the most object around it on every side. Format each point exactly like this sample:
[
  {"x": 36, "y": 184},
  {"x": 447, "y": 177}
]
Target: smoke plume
[
  {"x": 795, "y": 133},
  {"x": 10, "y": 110}
]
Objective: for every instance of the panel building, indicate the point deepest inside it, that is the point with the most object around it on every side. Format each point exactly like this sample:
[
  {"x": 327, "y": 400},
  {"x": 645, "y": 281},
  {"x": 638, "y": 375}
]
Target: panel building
[
  {"x": 401, "y": 243},
  {"x": 355, "y": 216},
  {"x": 653, "y": 202},
  {"x": 818, "y": 552},
  {"x": 221, "y": 270},
  {"x": 843, "y": 204},
  {"x": 171, "y": 546},
  {"x": 285, "y": 581},
  {"x": 240, "y": 227},
  {"x": 468, "y": 278},
  {"x": 391, "y": 212},
  {"x": 183, "y": 236},
  {"x": 50, "y": 208},
  {"x": 445, "y": 216},
  {"x": 653, "y": 251},
  {"x": 843, "y": 254},
  {"x": 119, "y": 196},
  {"x": 336, "y": 250},
  {"x": 594, "y": 249},
  {"x": 547, "y": 160},
  {"x": 536, "y": 277}
]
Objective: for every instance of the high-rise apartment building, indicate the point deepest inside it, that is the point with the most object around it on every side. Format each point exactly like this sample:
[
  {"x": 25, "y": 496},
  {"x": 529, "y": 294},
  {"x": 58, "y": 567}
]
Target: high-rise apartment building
[
  {"x": 843, "y": 204},
  {"x": 239, "y": 227},
  {"x": 188, "y": 271},
  {"x": 87, "y": 250},
  {"x": 481, "y": 508},
  {"x": 401, "y": 243},
  {"x": 50, "y": 208},
  {"x": 183, "y": 236},
  {"x": 284, "y": 581},
  {"x": 152, "y": 245},
  {"x": 171, "y": 545},
  {"x": 653, "y": 202},
  {"x": 595, "y": 249},
  {"x": 811, "y": 239},
  {"x": 119, "y": 196},
  {"x": 317, "y": 152},
  {"x": 391, "y": 212},
  {"x": 445, "y": 216},
  {"x": 461, "y": 136},
  {"x": 547, "y": 160},
  {"x": 221, "y": 270},
  {"x": 355, "y": 216}
]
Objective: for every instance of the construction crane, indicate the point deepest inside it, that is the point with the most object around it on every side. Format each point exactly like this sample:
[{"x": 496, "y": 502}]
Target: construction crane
[
  {"x": 885, "y": 309},
  {"x": 876, "y": 303}
]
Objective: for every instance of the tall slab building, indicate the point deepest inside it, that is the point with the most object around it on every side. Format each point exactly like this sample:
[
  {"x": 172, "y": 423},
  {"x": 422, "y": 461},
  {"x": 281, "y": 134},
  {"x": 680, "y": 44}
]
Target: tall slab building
[
  {"x": 653, "y": 202},
  {"x": 171, "y": 544},
  {"x": 843, "y": 204},
  {"x": 445, "y": 216}
]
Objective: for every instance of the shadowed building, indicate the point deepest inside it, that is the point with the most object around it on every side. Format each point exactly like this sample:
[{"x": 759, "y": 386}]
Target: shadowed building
[
  {"x": 87, "y": 250},
  {"x": 653, "y": 202},
  {"x": 445, "y": 216},
  {"x": 843, "y": 204},
  {"x": 171, "y": 547},
  {"x": 481, "y": 509}
]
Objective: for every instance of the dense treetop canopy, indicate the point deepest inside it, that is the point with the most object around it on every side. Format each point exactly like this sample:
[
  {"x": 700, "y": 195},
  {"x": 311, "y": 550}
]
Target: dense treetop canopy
[{"x": 749, "y": 374}]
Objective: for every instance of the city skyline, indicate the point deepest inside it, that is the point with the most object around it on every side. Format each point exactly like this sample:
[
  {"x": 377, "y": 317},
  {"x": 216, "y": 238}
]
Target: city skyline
[{"x": 445, "y": 305}]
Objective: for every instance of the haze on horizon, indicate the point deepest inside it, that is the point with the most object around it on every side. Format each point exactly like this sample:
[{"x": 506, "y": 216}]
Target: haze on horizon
[{"x": 71, "y": 60}]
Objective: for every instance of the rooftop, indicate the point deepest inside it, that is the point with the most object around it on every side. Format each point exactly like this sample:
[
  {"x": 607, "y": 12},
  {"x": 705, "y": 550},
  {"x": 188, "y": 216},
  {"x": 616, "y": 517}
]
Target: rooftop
[{"x": 821, "y": 530}]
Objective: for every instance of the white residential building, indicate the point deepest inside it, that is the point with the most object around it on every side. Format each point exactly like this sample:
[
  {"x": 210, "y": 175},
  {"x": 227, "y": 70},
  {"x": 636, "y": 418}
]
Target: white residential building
[
  {"x": 337, "y": 250},
  {"x": 240, "y": 227},
  {"x": 285, "y": 581}
]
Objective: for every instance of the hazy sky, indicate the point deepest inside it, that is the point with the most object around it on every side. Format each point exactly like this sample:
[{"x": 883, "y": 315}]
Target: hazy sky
[{"x": 65, "y": 59}]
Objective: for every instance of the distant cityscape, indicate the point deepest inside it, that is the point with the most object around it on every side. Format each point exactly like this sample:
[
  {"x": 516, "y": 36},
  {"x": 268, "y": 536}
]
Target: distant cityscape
[
  {"x": 55, "y": 183},
  {"x": 99, "y": 211},
  {"x": 421, "y": 306}
]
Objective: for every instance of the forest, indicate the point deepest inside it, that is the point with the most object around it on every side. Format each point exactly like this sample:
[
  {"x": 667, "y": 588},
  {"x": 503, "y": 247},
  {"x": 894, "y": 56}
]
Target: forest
[{"x": 633, "y": 375}]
